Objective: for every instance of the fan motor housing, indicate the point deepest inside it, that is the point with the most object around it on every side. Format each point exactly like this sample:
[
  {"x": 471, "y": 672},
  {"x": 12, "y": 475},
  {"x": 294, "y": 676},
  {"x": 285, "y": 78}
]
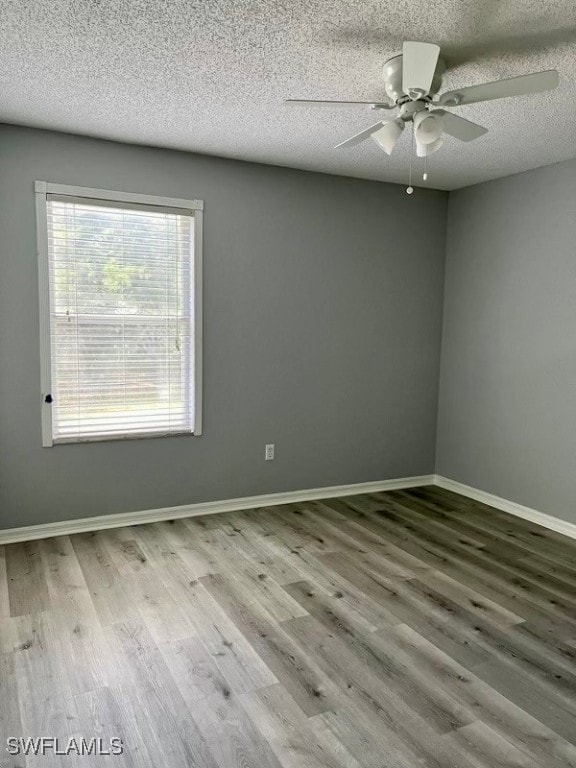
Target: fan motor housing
[{"x": 392, "y": 73}]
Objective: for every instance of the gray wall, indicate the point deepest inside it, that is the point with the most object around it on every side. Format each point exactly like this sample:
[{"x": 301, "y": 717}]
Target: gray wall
[
  {"x": 507, "y": 413},
  {"x": 323, "y": 303}
]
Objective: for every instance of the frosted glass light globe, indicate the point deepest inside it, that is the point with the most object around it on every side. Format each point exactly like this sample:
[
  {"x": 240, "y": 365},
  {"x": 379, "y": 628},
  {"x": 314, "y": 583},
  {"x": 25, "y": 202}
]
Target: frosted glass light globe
[{"x": 427, "y": 128}]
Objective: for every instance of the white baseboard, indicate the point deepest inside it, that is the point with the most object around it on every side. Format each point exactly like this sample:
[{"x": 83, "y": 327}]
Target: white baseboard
[
  {"x": 67, "y": 527},
  {"x": 102, "y": 522},
  {"x": 541, "y": 518}
]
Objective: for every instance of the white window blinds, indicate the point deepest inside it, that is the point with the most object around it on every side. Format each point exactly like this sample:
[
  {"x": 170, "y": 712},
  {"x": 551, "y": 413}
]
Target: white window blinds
[{"x": 121, "y": 305}]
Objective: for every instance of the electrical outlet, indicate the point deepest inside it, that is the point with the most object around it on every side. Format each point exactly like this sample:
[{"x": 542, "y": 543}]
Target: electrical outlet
[{"x": 269, "y": 454}]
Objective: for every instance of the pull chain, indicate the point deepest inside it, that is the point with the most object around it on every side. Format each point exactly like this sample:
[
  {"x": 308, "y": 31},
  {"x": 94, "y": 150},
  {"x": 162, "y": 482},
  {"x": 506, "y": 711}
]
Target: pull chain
[{"x": 410, "y": 188}]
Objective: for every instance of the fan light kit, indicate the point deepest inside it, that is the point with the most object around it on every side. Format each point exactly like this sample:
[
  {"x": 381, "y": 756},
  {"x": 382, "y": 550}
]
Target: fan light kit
[{"x": 412, "y": 80}]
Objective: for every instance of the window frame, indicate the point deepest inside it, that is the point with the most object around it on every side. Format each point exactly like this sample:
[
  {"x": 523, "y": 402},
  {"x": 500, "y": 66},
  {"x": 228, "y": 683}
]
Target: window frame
[{"x": 195, "y": 208}]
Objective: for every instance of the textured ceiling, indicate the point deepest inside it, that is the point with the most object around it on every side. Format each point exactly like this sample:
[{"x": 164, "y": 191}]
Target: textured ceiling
[{"x": 210, "y": 76}]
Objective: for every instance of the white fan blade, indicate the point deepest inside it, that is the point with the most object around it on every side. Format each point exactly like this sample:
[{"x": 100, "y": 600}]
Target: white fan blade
[
  {"x": 423, "y": 150},
  {"x": 322, "y": 103},
  {"x": 501, "y": 89},
  {"x": 459, "y": 127},
  {"x": 358, "y": 137},
  {"x": 388, "y": 135},
  {"x": 419, "y": 62}
]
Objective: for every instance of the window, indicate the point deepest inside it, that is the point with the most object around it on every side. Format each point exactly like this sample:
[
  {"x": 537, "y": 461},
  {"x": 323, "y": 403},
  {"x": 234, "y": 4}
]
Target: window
[{"x": 120, "y": 314}]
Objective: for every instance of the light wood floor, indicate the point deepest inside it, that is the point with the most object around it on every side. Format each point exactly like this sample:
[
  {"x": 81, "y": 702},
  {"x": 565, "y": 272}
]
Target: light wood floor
[{"x": 407, "y": 629}]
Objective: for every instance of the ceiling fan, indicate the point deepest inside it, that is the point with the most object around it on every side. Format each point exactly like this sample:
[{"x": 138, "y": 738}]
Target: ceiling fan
[{"x": 412, "y": 80}]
